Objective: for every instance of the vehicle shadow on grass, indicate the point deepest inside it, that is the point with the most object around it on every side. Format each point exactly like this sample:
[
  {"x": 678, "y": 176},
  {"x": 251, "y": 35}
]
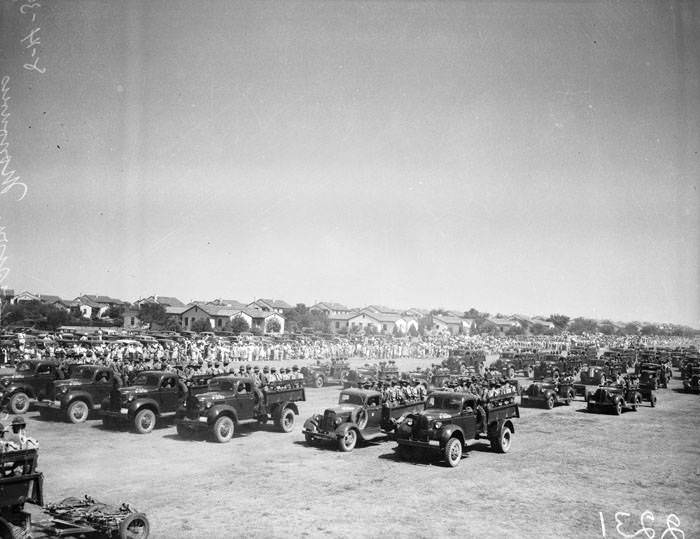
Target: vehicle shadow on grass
[{"x": 427, "y": 458}]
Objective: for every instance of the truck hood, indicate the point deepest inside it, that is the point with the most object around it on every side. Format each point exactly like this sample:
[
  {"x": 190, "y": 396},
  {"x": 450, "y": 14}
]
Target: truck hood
[
  {"x": 71, "y": 382},
  {"x": 435, "y": 414},
  {"x": 210, "y": 396},
  {"x": 343, "y": 409}
]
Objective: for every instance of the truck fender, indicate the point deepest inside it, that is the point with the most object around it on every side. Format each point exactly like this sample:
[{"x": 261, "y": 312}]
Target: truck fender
[
  {"x": 215, "y": 412},
  {"x": 14, "y": 388},
  {"x": 291, "y": 405},
  {"x": 508, "y": 423},
  {"x": 344, "y": 427},
  {"x": 451, "y": 431},
  {"x": 78, "y": 395},
  {"x": 135, "y": 406}
]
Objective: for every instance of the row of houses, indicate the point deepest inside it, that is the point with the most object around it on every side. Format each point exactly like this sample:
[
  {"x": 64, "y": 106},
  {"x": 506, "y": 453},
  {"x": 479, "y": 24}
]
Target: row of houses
[{"x": 269, "y": 315}]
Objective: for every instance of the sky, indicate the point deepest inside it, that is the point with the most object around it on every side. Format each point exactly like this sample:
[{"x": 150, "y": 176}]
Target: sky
[{"x": 517, "y": 157}]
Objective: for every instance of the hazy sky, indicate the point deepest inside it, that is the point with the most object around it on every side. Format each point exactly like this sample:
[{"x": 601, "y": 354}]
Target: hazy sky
[{"x": 530, "y": 157}]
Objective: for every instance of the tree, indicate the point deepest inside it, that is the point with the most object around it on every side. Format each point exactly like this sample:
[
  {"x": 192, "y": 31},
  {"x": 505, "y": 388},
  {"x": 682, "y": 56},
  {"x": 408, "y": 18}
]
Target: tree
[
  {"x": 237, "y": 325},
  {"x": 412, "y": 331},
  {"x": 201, "y": 324},
  {"x": 583, "y": 325},
  {"x": 154, "y": 312},
  {"x": 560, "y": 321},
  {"x": 538, "y": 329},
  {"x": 514, "y": 331},
  {"x": 273, "y": 326},
  {"x": 650, "y": 329}
]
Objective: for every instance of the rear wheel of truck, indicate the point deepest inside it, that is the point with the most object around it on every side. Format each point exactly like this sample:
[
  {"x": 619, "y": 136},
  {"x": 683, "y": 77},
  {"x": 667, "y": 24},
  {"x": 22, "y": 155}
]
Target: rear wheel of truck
[
  {"x": 453, "y": 452},
  {"x": 501, "y": 442},
  {"x": 318, "y": 381},
  {"x": 223, "y": 429},
  {"x": 145, "y": 421},
  {"x": 286, "y": 420},
  {"x": 19, "y": 403},
  {"x": 653, "y": 401},
  {"x": 309, "y": 439},
  {"x": 77, "y": 411},
  {"x": 348, "y": 442},
  {"x": 549, "y": 403},
  {"x": 618, "y": 408},
  {"x": 570, "y": 396},
  {"x": 134, "y": 526}
]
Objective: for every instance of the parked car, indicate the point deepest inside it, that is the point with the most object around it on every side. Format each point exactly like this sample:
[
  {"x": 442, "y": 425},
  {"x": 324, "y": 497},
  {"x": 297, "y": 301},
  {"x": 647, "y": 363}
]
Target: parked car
[{"x": 359, "y": 416}]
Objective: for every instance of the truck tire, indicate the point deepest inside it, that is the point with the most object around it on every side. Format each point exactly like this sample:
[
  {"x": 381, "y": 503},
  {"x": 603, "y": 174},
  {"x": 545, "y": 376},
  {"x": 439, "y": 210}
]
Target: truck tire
[
  {"x": 144, "y": 421},
  {"x": 318, "y": 381},
  {"x": 511, "y": 372},
  {"x": 618, "y": 408},
  {"x": 653, "y": 401},
  {"x": 19, "y": 403},
  {"x": 501, "y": 442},
  {"x": 134, "y": 526},
  {"x": 77, "y": 411},
  {"x": 453, "y": 452},
  {"x": 309, "y": 439},
  {"x": 549, "y": 403},
  {"x": 348, "y": 442},
  {"x": 223, "y": 429},
  {"x": 285, "y": 422}
]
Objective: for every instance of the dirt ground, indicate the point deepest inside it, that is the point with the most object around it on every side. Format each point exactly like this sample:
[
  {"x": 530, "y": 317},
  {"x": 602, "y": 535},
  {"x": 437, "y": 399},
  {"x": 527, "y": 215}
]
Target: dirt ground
[{"x": 565, "y": 468}]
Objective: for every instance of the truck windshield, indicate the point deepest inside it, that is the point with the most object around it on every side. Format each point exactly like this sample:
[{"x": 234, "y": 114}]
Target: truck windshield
[
  {"x": 445, "y": 402},
  {"x": 24, "y": 367},
  {"x": 221, "y": 384},
  {"x": 85, "y": 373},
  {"x": 147, "y": 380},
  {"x": 350, "y": 398}
]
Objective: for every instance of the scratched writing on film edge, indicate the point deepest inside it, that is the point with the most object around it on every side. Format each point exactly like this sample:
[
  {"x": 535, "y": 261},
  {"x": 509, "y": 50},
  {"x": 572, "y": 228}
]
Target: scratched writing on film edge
[{"x": 10, "y": 179}]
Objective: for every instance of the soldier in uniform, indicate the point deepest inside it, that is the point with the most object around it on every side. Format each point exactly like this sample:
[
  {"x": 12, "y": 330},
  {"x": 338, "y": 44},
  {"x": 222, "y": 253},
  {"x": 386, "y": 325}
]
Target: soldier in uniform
[{"x": 419, "y": 390}]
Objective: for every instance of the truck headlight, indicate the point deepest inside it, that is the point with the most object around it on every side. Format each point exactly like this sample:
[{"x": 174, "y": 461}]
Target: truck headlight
[
  {"x": 64, "y": 390},
  {"x": 130, "y": 398},
  {"x": 338, "y": 420},
  {"x": 437, "y": 424},
  {"x": 207, "y": 405},
  {"x": 6, "y": 382},
  {"x": 409, "y": 421}
]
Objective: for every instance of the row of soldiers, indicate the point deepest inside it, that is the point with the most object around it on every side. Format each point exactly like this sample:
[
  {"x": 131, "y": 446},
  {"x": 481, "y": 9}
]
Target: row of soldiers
[{"x": 395, "y": 392}]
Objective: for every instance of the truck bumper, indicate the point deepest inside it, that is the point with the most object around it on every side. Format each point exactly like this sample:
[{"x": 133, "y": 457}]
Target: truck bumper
[
  {"x": 200, "y": 423},
  {"x": 123, "y": 413},
  {"x": 322, "y": 435},
  {"x": 430, "y": 444}
]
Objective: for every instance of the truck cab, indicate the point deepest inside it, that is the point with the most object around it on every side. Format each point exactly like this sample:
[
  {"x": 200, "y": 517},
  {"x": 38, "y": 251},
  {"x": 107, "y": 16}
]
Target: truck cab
[{"x": 30, "y": 381}]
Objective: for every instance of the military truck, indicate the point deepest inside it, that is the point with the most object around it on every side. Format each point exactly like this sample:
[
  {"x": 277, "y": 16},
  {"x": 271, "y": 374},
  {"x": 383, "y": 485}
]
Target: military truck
[
  {"x": 152, "y": 396},
  {"x": 74, "y": 398},
  {"x": 326, "y": 373},
  {"x": 359, "y": 417},
  {"x": 371, "y": 373},
  {"x": 655, "y": 375},
  {"x": 548, "y": 393},
  {"x": 614, "y": 398},
  {"x": 30, "y": 381},
  {"x": 691, "y": 377},
  {"x": 232, "y": 400},
  {"x": 452, "y": 420}
]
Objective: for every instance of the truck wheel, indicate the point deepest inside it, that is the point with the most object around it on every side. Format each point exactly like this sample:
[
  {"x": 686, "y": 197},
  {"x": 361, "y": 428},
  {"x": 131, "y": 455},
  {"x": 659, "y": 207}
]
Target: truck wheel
[
  {"x": 309, "y": 439},
  {"x": 145, "y": 421},
  {"x": 653, "y": 401},
  {"x": 348, "y": 442},
  {"x": 637, "y": 402},
  {"x": 286, "y": 420},
  {"x": 223, "y": 429},
  {"x": 549, "y": 403},
  {"x": 618, "y": 408},
  {"x": 453, "y": 452},
  {"x": 501, "y": 443},
  {"x": 511, "y": 372},
  {"x": 77, "y": 411},
  {"x": 19, "y": 403},
  {"x": 134, "y": 526},
  {"x": 183, "y": 432},
  {"x": 318, "y": 381},
  {"x": 530, "y": 372}
]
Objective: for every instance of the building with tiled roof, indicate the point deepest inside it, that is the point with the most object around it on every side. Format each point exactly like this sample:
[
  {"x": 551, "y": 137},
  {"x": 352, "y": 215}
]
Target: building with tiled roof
[
  {"x": 329, "y": 308},
  {"x": 271, "y": 305}
]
